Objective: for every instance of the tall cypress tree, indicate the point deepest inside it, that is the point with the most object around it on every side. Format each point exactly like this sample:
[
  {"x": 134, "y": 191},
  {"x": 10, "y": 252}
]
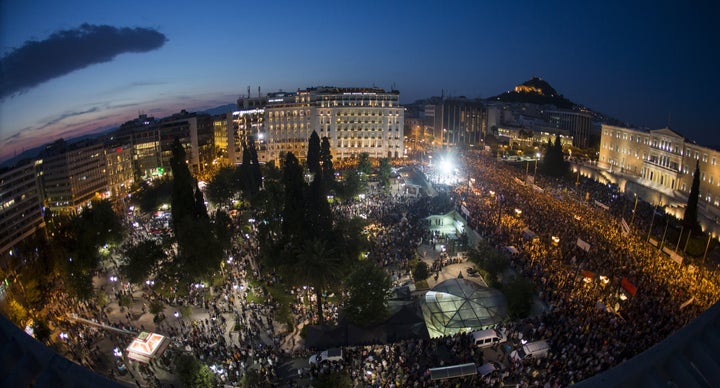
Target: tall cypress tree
[
  {"x": 293, "y": 220},
  {"x": 313, "y": 154},
  {"x": 182, "y": 202},
  {"x": 690, "y": 221},
  {"x": 201, "y": 212},
  {"x": 255, "y": 173},
  {"x": 328, "y": 171}
]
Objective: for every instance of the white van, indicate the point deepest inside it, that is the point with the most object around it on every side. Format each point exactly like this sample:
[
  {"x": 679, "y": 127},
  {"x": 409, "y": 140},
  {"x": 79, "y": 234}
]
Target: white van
[
  {"x": 537, "y": 349},
  {"x": 334, "y": 354},
  {"x": 488, "y": 337}
]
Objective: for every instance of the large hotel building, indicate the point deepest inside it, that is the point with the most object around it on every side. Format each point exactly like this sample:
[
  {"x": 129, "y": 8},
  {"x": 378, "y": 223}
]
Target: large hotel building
[{"x": 355, "y": 120}]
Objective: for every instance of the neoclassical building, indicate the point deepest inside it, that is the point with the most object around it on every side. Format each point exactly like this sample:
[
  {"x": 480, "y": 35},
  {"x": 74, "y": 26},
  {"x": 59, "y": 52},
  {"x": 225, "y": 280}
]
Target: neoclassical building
[
  {"x": 664, "y": 160},
  {"x": 355, "y": 120}
]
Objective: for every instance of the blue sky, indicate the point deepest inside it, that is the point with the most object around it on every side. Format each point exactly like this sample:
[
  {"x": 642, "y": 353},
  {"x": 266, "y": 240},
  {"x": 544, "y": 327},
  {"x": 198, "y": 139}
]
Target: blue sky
[{"x": 646, "y": 64}]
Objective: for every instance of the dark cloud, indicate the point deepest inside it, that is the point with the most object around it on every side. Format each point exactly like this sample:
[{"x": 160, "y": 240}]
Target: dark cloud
[{"x": 69, "y": 50}]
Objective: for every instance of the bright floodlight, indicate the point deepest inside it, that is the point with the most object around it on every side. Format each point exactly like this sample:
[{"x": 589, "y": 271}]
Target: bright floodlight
[{"x": 446, "y": 167}]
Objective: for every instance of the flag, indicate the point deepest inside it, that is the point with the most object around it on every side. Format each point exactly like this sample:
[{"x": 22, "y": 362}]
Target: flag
[{"x": 628, "y": 286}]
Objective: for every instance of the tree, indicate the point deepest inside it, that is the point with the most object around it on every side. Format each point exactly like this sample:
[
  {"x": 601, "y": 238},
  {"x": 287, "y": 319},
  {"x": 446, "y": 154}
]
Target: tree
[
  {"x": 223, "y": 229},
  {"x": 250, "y": 174},
  {"x": 328, "y": 171},
  {"x": 368, "y": 294},
  {"x": 256, "y": 173},
  {"x": 519, "y": 294},
  {"x": 182, "y": 201},
  {"x": 384, "y": 172},
  {"x": 313, "y": 154},
  {"x": 293, "y": 226},
  {"x": 193, "y": 373},
  {"x": 223, "y": 186},
  {"x": 150, "y": 197},
  {"x": 690, "y": 221},
  {"x": 316, "y": 265},
  {"x": 142, "y": 259},
  {"x": 199, "y": 252},
  {"x": 201, "y": 212},
  {"x": 421, "y": 271},
  {"x": 351, "y": 185},
  {"x": 364, "y": 165}
]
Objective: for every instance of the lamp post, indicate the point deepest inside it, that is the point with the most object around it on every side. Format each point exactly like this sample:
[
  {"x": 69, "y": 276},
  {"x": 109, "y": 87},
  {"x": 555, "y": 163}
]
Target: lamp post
[
  {"x": 707, "y": 247},
  {"x": 682, "y": 229},
  {"x": 634, "y": 209},
  {"x": 667, "y": 223},
  {"x": 651, "y": 223}
]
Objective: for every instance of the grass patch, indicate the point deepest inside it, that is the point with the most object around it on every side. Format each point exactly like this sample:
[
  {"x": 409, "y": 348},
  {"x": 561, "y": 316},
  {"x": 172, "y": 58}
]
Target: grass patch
[
  {"x": 284, "y": 301},
  {"x": 422, "y": 285}
]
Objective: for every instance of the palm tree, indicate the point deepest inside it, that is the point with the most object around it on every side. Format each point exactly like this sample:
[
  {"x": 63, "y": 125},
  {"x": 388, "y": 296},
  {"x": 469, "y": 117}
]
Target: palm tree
[{"x": 318, "y": 266}]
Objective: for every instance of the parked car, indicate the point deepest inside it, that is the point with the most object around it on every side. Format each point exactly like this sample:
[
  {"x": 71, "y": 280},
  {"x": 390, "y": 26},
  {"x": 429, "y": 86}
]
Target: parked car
[
  {"x": 535, "y": 349},
  {"x": 488, "y": 337},
  {"x": 334, "y": 354}
]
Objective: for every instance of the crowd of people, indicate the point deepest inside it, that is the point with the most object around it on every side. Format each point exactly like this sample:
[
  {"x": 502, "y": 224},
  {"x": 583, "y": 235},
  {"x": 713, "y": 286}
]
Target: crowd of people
[
  {"x": 594, "y": 319},
  {"x": 610, "y": 299}
]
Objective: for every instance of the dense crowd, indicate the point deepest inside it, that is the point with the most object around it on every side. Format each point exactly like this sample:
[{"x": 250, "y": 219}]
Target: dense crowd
[{"x": 592, "y": 321}]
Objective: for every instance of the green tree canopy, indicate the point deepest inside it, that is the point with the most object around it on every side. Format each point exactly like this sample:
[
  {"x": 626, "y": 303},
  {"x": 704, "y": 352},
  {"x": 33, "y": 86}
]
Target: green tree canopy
[
  {"x": 313, "y": 154},
  {"x": 364, "y": 165},
  {"x": 223, "y": 186},
  {"x": 142, "y": 259},
  {"x": 368, "y": 289},
  {"x": 294, "y": 225},
  {"x": 328, "y": 171},
  {"x": 318, "y": 265},
  {"x": 193, "y": 373},
  {"x": 384, "y": 172}
]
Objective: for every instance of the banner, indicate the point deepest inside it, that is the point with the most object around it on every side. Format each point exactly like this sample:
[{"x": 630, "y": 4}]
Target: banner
[
  {"x": 682, "y": 306},
  {"x": 583, "y": 245},
  {"x": 465, "y": 211},
  {"x": 519, "y": 181},
  {"x": 625, "y": 226},
  {"x": 628, "y": 286},
  {"x": 538, "y": 189},
  {"x": 653, "y": 242},
  {"x": 602, "y": 205}
]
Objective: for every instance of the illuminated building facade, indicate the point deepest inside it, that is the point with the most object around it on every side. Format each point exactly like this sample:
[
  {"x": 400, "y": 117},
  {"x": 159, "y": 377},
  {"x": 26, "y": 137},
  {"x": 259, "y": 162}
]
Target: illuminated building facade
[
  {"x": 247, "y": 123},
  {"x": 195, "y": 132},
  {"x": 20, "y": 205},
  {"x": 71, "y": 175},
  {"x": 222, "y": 137},
  {"x": 120, "y": 174},
  {"x": 457, "y": 121},
  {"x": 662, "y": 159},
  {"x": 144, "y": 138},
  {"x": 355, "y": 120},
  {"x": 576, "y": 123}
]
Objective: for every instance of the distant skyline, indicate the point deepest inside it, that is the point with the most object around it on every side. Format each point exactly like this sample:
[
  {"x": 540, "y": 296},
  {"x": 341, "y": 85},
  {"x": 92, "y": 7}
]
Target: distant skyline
[{"x": 95, "y": 65}]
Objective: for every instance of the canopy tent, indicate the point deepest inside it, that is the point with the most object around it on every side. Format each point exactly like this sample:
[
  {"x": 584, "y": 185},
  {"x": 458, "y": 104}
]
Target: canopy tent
[
  {"x": 449, "y": 225},
  {"x": 146, "y": 346},
  {"x": 460, "y": 305}
]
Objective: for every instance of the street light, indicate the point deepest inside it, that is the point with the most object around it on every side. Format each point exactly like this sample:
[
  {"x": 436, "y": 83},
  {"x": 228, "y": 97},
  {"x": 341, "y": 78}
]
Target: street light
[{"x": 634, "y": 209}]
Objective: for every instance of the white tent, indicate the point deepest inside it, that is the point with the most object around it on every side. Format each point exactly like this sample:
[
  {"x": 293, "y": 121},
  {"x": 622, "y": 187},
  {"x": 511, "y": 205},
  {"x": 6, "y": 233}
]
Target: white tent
[{"x": 459, "y": 305}]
